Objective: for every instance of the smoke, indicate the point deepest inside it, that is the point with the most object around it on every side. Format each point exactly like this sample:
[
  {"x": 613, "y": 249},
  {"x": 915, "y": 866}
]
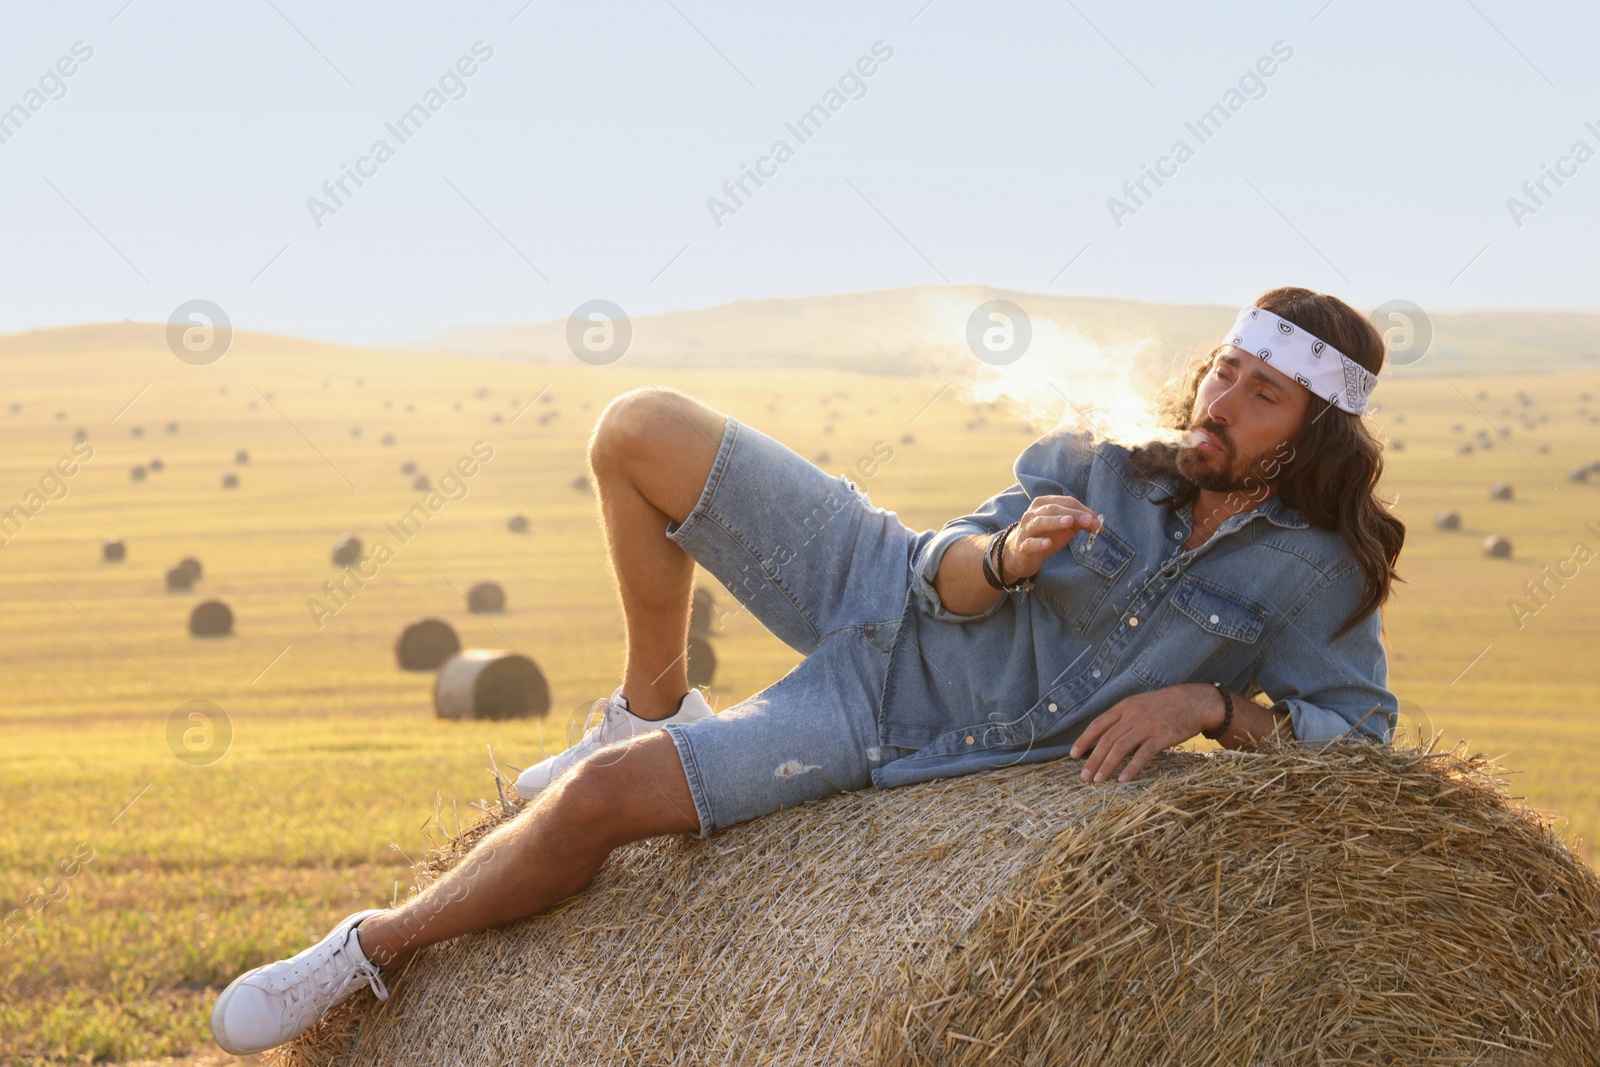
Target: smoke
[{"x": 1065, "y": 378}]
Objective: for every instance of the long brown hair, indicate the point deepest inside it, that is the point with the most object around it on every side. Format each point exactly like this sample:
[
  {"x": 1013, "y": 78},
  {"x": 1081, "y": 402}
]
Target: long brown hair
[{"x": 1333, "y": 476}]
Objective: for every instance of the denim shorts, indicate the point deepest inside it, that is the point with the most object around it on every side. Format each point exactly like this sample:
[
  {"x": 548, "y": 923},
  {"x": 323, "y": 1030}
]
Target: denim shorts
[{"x": 828, "y": 573}]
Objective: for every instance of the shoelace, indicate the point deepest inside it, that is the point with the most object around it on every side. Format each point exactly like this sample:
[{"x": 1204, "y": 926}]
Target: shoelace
[
  {"x": 326, "y": 979},
  {"x": 599, "y": 712}
]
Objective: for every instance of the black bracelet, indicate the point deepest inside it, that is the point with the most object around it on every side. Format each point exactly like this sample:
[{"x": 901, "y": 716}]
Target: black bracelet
[
  {"x": 1021, "y": 584},
  {"x": 989, "y": 574},
  {"x": 1227, "y": 715}
]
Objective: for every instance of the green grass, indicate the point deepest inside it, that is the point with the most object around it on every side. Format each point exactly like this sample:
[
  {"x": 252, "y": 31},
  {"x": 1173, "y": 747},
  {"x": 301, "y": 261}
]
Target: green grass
[{"x": 338, "y": 773}]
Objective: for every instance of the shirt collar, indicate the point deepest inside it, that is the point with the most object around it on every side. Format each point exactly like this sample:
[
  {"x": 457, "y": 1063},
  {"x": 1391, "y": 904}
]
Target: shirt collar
[{"x": 1273, "y": 509}]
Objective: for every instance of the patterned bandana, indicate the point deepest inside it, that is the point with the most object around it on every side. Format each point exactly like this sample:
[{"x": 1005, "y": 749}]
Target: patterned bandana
[{"x": 1313, "y": 363}]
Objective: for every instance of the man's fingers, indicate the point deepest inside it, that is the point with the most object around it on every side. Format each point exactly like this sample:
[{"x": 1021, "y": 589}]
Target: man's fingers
[
  {"x": 1119, "y": 749},
  {"x": 1097, "y": 764},
  {"x": 1140, "y": 760},
  {"x": 1100, "y": 725}
]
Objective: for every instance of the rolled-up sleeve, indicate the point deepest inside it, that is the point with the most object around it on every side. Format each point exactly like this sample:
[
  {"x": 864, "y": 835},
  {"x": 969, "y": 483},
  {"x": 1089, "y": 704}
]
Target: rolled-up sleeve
[
  {"x": 1333, "y": 687},
  {"x": 996, "y": 513}
]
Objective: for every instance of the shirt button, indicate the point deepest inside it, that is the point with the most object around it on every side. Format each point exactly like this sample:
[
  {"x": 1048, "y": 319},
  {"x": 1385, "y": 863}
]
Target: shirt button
[
  {"x": 1177, "y": 535},
  {"x": 1095, "y": 673},
  {"x": 1052, "y": 706},
  {"x": 1215, "y": 620},
  {"x": 971, "y": 739},
  {"x": 1133, "y": 621}
]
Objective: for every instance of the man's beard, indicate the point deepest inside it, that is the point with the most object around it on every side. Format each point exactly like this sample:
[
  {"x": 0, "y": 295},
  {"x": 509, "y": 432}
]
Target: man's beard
[{"x": 1217, "y": 471}]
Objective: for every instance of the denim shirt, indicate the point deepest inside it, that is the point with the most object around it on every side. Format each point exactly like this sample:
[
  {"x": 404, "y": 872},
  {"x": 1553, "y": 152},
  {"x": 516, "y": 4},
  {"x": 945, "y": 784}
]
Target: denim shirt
[{"x": 1254, "y": 608}]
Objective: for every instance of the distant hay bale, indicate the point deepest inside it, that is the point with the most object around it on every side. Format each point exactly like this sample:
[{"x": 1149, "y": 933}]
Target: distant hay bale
[
  {"x": 908, "y": 439},
  {"x": 1500, "y": 491},
  {"x": 355, "y": 431},
  {"x": 179, "y": 579},
  {"x": 702, "y": 608},
  {"x": 80, "y": 434},
  {"x": 241, "y": 457},
  {"x": 230, "y": 480},
  {"x": 421, "y": 483},
  {"x": 137, "y": 473},
  {"x": 1339, "y": 904},
  {"x": 211, "y": 619},
  {"x": 1578, "y": 474},
  {"x": 192, "y": 565},
  {"x": 1541, "y": 448},
  {"x": 1464, "y": 448},
  {"x": 517, "y": 523},
  {"x": 702, "y": 662},
  {"x": 136, "y": 431},
  {"x": 113, "y": 550},
  {"x": 1397, "y": 445},
  {"x": 1593, "y": 466},
  {"x": 483, "y": 683},
  {"x": 172, "y": 427},
  {"x": 346, "y": 550},
  {"x": 1496, "y": 547},
  {"x": 486, "y": 598},
  {"x": 425, "y": 644},
  {"x": 581, "y": 482},
  {"x": 1448, "y": 519},
  {"x": 388, "y": 440},
  {"x": 157, "y": 464},
  {"x": 408, "y": 468},
  {"x": 823, "y": 457}
]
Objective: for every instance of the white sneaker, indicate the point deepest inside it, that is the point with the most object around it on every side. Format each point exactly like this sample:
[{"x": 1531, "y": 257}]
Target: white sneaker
[
  {"x": 277, "y": 1002},
  {"x": 616, "y": 723}
]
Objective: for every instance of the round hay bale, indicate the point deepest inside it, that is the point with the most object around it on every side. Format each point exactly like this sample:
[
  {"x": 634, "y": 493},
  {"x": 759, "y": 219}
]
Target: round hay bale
[
  {"x": 702, "y": 607},
  {"x": 1465, "y": 448},
  {"x": 113, "y": 550},
  {"x": 1500, "y": 491},
  {"x": 157, "y": 464},
  {"x": 1397, "y": 445},
  {"x": 408, "y": 468},
  {"x": 1578, "y": 474},
  {"x": 702, "y": 662},
  {"x": 484, "y": 683},
  {"x": 486, "y": 598},
  {"x": 1496, "y": 547},
  {"x": 211, "y": 619},
  {"x": 241, "y": 457},
  {"x": 80, "y": 434},
  {"x": 137, "y": 473},
  {"x": 1541, "y": 448},
  {"x": 192, "y": 565},
  {"x": 230, "y": 480},
  {"x": 517, "y": 524},
  {"x": 823, "y": 457},
  {"x": 172, "y": 427},
  {"x": 1593, "y": 466},
  {"x": 581, "y": 483},
  {"x": 346, "y": 550},
  {"x": 908, "y": 439},
  {"x": 1448, "y": 519},
  {"x": 179, "y": 579},
  {"x": 136, "y": 431},
  {"x": 355, "y": 431},
  {"x": 425, "y": 644},
  {"x": 388, "y": 440},
  {"x": 1338, "y": 904},
  {"x": 421, "y": 483}
]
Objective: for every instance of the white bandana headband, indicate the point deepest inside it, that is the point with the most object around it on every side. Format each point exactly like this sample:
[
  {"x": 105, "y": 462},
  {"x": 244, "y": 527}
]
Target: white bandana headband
[{"x": 1314, "y": 363}]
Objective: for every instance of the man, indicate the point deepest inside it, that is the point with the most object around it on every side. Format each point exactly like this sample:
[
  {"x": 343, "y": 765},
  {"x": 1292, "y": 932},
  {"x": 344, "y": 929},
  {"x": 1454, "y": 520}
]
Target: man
[{"x": 1112, "y": 603}]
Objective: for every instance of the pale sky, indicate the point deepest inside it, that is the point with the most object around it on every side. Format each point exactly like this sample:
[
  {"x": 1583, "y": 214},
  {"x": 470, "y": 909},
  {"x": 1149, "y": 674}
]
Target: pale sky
[{"x": 577, "y": 160}]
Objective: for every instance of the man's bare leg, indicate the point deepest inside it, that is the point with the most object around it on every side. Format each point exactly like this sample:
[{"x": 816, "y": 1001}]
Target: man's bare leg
[
  {"x": 651, "y": 453},
  {"x": 550, "y": 851}
]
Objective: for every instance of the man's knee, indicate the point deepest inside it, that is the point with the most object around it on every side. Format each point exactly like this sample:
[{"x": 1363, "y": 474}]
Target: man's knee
[
  {"x": 645, "y": 421},
  {"x": 627, "y": 791}
]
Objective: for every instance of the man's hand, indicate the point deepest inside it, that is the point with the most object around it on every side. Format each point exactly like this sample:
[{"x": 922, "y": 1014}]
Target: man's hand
[
  {"x": 1137, "y": 728},
  {"x": 1044, "y": 529}
]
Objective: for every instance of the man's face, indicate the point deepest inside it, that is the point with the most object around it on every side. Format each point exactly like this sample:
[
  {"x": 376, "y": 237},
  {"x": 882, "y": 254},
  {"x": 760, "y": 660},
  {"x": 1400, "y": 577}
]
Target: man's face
[{"x": 1246, "y": 409}]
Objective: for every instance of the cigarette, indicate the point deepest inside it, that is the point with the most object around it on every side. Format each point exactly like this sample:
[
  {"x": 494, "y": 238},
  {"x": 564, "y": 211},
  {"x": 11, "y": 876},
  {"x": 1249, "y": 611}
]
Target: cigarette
[{"x": 1095, "y": 532}]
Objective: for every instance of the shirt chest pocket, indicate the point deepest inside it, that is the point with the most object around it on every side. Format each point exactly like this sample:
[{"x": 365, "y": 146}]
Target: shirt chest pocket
[
  {"x": 1076, "y": 582},
  {"x": 1201, "y": 629}
]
